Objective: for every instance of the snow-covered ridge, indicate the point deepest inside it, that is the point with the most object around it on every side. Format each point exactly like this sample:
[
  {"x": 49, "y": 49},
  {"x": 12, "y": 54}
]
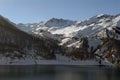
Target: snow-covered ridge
[{"x": 54, "y": 22}]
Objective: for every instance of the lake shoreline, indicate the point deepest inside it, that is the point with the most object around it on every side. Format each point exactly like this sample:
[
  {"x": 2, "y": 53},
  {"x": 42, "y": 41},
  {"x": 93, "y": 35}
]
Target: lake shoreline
[{"x": 57, "y": 63}]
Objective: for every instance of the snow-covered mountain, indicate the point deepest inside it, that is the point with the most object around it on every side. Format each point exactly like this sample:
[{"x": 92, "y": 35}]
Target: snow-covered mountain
[
  {"x": 44, "y": 25},
  {"x": 63, "y": 41},
  {"x": 81, "y": 39},
  {"x": 66, "y": 31}
]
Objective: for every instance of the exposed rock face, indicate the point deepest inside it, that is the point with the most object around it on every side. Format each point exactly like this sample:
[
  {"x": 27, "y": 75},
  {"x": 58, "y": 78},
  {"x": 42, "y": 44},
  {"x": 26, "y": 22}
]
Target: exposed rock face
[{"x": 110, "y": 50}]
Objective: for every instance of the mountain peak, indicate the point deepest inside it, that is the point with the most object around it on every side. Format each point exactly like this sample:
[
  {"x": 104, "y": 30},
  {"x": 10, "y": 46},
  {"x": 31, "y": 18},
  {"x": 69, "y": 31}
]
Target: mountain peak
[
  {"x": 103, "y": 16},
  {"x": 58, "y": 19},
  {"x": 59, "y": 22}
]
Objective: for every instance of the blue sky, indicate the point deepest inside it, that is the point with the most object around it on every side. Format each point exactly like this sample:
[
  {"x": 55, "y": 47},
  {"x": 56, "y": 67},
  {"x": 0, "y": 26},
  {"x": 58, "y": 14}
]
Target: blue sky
[{"x": 25, "y": 11}]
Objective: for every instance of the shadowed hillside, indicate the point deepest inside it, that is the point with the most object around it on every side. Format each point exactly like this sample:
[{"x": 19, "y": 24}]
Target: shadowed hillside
[{"x": 16, "y": 43}]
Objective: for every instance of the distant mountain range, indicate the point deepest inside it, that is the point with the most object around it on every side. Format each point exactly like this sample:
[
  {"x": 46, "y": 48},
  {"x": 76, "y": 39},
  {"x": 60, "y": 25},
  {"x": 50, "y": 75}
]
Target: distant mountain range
[{"x": 97, "y": 38}]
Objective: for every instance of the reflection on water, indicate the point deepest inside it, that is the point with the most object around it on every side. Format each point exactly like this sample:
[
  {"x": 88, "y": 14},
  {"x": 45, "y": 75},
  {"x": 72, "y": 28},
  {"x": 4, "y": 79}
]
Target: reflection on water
[{"x": 58, "y": 73}]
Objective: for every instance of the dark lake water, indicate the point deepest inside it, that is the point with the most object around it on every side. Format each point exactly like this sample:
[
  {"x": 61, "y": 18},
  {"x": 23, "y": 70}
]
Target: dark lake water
[{"x": 58, "y": 73}]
